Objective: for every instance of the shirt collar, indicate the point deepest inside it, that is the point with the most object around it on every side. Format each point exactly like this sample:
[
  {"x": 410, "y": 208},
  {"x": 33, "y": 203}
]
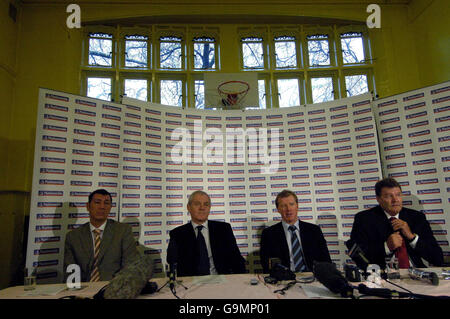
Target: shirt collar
[
  {"x": 389, "y": 216},
  {"x": 102, "y": 227},
  {"x": 286, "y": 225},
  {"x": 205, "y": 224}
]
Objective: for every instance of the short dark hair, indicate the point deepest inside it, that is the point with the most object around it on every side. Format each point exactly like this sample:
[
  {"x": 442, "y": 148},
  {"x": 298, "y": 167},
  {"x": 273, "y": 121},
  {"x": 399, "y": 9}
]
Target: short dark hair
[
  {"x": 191, "y": 197},
  {"x": 283, "y": 194},
  {"x": 388, "y": 182},
  {"x": 101, "y": 192}
]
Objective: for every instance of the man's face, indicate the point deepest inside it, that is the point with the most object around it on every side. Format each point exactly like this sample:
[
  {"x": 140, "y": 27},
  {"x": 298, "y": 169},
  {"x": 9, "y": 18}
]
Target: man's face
[
  {"x": 390, "y": 200},
  {"x": 99, "y": 208},
  {"x": 288, "y": 208},
  {"x": 199, "y": 208}
]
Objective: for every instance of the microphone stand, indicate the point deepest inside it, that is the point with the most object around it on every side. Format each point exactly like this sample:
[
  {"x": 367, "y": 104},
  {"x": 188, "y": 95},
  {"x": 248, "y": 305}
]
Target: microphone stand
[{"x": 172, "y": 274}]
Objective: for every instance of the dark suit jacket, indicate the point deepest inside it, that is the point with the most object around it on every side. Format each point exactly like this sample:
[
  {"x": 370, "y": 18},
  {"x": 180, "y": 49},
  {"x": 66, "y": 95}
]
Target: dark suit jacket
[
  {"x": 117, "y": 247},
  {"x": 274, "y": 245},
  {"x": 226, "y": 255},
  {"x": 371, "y": 228}
]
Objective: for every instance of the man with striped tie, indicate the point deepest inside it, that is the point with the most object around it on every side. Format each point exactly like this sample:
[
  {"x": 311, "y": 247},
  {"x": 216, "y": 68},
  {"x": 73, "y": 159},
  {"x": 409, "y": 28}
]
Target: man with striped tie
[
  {"x": 296, "y": 243},
  {"x": 102, "y": 246}
]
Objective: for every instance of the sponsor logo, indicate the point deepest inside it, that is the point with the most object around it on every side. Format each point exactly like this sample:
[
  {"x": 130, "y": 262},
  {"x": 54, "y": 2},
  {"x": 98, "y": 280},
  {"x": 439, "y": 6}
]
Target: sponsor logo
[
  {"x": 427, "y": 181},
  {"x": 56, "y": 107},
  {"x": 388, "y": 112},
  {"x": 51, "y": 182},
  {"x": 344, "y": 123},
  {"x": 54, "y": 138},
  {"x": 389, "y": 121},
  {"x": 86, "y": 113},
  {"x": 430, "y": 201},
  {"x": 57, "y": 97}
]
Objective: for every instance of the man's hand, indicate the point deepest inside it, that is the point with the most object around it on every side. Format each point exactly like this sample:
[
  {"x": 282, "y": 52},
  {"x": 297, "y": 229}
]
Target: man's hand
[
  {"x": 394, "y": 241},
  {"x": 403, "y": 227}
]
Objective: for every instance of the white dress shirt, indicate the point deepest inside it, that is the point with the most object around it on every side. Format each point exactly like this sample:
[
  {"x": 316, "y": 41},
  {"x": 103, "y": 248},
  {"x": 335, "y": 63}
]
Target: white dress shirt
[
  {"x": 205, "y": 233},
  {"x": 102, "y": 230},
  {"x": 288, "y": 235}
]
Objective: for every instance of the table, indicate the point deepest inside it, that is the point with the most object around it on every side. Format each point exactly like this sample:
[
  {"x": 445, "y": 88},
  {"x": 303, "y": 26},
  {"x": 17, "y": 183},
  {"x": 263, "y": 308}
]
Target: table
[{"x": 232, "y": 287}]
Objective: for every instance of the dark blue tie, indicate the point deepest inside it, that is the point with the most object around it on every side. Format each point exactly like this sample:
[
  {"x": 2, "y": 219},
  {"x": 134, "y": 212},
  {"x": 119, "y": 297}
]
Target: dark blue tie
[
  {"x": 202, "y": 254},
  {"x": 296, "y": 251}
]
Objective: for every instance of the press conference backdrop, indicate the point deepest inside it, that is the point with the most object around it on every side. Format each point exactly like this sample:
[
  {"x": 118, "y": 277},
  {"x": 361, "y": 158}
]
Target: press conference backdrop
[
  {"x": 414, "y": 130},
  {"x": 151, "y": 157}
]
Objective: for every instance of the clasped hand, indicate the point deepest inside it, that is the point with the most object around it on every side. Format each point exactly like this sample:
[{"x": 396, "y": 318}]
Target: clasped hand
[{"x": 401, "y": 231}]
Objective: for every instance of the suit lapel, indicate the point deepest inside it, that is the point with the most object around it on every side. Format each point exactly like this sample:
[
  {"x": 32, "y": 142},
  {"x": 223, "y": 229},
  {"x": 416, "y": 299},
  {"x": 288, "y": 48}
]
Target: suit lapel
[
  {"x": 283, "y": 241},
  {"x": 385, "y": 225},
  {"x": 212, "y": 236},
  {"x": 214, "y": 239},
  {"x": 86, "y": 242},
  {"x": 189, "y": 248},
  {"x": 403, "y": 215},
  {"x": 106, "y": 239}
]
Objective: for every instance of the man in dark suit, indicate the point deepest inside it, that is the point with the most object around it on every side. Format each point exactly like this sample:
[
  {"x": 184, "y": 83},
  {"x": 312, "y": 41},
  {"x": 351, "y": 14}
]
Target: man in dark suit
[
  {"x": 296, "y": 243},
  {"x": 390, "y": 229},
  {"x": 202, "y": 246},
  {"x": 102, "y": 246}
]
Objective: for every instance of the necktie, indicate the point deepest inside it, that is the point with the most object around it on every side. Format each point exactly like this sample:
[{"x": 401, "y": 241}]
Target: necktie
[
  {"x": 296, "y": 251},
  {"x": 95, "y": 274},
  {"x": 202, "y": 253},
  {"x": 401, "y": 253}
]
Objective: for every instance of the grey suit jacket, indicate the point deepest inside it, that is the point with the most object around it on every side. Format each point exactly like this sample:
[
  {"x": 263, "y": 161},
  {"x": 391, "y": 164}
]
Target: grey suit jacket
[{"x": 117, "y": 247}]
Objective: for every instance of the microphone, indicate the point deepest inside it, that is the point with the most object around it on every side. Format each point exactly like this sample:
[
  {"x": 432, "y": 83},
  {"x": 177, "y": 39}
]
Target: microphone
[
  {"x": 131, "y": 280},
  {"x": 330, "y": 277},
  {"x": 355, "y": 252},
  {"x": 172, "y": 260},
  {"x": 424, "y": 275},
  {"x": 273, "y": 261}
]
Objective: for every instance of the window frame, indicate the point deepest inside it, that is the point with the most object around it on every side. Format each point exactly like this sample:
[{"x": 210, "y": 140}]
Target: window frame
[
  {"x": 270, "y": 73},
  {"x": 175, "y": 34},
  {"x": 297, "y": 51},
  {"x": 310, "y": 31},
  {"x": 100, "y": 74},
  {"x": 301, "y": 86},
  {"x": 172, "y": 77},
  {"x": 360, "y": 71},
  {"x": 122, "y": 47},
  {"x": 366, "y": 45},
  {"x": 333, "y": 74},
  {"x": 256, "y": 32},
  {"x": 135, "y": 76}
]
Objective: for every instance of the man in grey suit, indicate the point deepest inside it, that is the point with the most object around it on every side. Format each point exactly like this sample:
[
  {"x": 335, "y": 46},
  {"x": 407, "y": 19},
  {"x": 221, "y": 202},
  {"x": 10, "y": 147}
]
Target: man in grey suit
[{"x": 102, "y": 246}]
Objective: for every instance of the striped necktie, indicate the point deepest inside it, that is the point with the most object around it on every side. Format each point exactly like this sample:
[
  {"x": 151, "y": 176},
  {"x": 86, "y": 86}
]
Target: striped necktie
[
  {"x": 296, "y": 251},
  {"x": 402, "y": 253},
  {"x": 95, "y": 274}
]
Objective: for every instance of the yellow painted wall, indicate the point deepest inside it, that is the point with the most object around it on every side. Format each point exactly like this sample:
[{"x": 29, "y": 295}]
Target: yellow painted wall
[
  {"x": 430, "y": 24},
  {"x": 410, "y": 51},
  {"x": 13, "y": 204}
]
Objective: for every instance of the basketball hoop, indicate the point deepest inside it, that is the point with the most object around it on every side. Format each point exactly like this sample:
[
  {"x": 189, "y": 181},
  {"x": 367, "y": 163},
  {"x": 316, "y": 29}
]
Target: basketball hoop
[{"x": 232, "y": 92}]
